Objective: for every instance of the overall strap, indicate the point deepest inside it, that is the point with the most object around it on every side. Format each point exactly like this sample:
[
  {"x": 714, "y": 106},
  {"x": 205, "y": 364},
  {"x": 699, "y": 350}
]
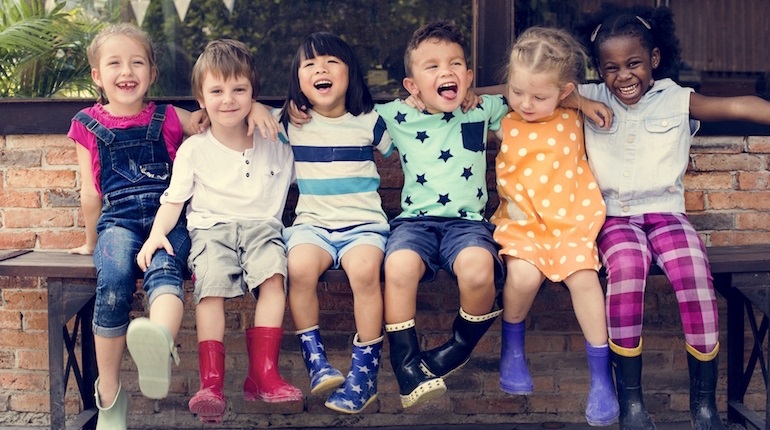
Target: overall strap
[
  {"x": 156, "y": 125},
  {"x": 94, "y": 126}
]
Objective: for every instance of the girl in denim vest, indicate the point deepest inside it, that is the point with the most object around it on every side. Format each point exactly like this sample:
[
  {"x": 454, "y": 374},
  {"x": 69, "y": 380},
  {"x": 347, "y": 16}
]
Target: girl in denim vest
[{"x": 639, "y": 163}]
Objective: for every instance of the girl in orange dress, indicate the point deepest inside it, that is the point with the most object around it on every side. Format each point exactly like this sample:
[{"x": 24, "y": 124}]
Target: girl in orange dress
[{"x": 550, "y": 210}]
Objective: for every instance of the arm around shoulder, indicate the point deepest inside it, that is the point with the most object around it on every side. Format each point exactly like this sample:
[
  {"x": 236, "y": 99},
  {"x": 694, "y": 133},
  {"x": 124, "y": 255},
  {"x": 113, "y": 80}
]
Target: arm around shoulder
[{"x": 741, "y": 108}]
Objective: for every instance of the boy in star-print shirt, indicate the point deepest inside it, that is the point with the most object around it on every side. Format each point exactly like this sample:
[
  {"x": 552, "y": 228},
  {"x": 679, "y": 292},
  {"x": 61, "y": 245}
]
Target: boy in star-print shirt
[{"x": 442, "y": 224}]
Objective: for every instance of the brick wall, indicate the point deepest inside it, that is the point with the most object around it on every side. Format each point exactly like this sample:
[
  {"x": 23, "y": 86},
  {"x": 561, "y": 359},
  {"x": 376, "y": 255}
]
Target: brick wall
[{"x": 728, "y": 201}]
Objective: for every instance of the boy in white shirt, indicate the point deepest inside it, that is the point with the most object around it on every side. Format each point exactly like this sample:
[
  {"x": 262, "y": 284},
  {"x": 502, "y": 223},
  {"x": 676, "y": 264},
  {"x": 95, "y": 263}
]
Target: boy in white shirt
[{"x": 236, "y": 186}]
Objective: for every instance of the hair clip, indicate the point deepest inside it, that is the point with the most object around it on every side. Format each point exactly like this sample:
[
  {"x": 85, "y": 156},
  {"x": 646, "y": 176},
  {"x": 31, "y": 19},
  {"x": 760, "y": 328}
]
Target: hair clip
[
  {"x": 596, "y": 31},
  {"x": 644, "y": 22}
]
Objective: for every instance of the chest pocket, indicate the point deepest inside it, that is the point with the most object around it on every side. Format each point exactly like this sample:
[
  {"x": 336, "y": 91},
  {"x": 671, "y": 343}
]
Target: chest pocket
[
  {"x": 664, "y": 131},
  {"x": 600, "y": 137},
  {"x": 473, "y": 136},
  {"x": 136, "y": 159}
]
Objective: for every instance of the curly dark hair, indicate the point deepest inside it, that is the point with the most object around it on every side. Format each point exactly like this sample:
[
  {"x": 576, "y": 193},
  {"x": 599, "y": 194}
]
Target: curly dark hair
[
  {"x": 613, "y": 20},
  {"x": 443, "y": 30}
]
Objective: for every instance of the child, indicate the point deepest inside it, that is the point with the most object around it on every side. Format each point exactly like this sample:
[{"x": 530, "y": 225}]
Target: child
[
  {"x": 639, "y": 164},
  {"x": 237, "y": 187},
  {"x": 550, "y": 210},
  {"x": 340, "y": 221},
  {"x": 125, "y": 149},
  {"x": 442, "y": 225}
]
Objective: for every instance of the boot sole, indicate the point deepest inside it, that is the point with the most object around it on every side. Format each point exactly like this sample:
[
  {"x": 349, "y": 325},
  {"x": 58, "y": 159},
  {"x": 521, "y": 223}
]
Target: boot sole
[
  {"x": 210, "y": 411},
  {"x": 427, "y": 371},
  {"x": 328, "y": 385},
  {"x": 603, "y": 423},
  {"x": 150, "y": 349},
  {"x": 424, "y": 392},
  {"x": 336, "y": 408},
  {"x": 516, "y": 391}
]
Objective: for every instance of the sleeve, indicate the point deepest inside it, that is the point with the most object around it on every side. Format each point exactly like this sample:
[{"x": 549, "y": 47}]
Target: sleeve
[
  {"x": 181, "y": 187},
  {"x": 382, "y": 140},
  {"x": 497, "y": 107},
  {"x": 86, "y": 139}
]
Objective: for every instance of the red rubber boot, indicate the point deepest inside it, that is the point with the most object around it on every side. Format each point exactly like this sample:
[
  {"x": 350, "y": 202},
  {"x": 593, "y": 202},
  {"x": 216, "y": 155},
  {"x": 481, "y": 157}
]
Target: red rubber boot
[
  {"x": 264, "y": 382},
  {"x": 209, "y": 402}
]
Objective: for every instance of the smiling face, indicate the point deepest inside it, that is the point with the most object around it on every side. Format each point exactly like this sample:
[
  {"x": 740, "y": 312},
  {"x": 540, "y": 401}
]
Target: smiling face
[
  {"x": 324, "y": 79},
  {"x": 535, "y": 96},
  {"x": 227, "y": 101},
  {"x": 626, "y": 67},
  {"x": 124, "y": 73},
  {"x": 439, "y": 75}
]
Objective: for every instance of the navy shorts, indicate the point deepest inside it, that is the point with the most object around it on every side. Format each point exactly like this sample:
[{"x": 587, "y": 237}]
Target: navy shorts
[{"x": 438, "y": 241}]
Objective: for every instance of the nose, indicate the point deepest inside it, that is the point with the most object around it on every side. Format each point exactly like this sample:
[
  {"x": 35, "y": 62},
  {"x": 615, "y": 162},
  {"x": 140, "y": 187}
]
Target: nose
[{"x": 526, "y": 102}]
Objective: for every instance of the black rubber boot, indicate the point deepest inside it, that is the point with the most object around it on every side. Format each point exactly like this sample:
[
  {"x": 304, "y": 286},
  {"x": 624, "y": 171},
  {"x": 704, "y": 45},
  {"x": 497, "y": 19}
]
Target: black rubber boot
[
  {"x": 467, "y": 330},
  {"x": 414, "y": 385},
  {"x": 628, "y": 376},
  {"x": 704, "y": 370}
]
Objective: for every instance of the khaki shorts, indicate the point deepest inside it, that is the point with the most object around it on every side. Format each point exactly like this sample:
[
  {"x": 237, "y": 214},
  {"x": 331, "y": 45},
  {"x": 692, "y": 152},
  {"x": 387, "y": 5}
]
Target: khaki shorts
[{"x": 230, "y": 258}]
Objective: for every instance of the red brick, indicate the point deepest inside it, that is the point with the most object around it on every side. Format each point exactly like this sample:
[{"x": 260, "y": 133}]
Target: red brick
[
  {"x": 11, "y": 319},
  {"x": 17, "y": 240},
  {"x": 31, "y": 359},
  {"x": 36, "y": 141},
  {"x": 709, "y": 181},
  {"x": 25, "y": 299},
  {"x": 750, "y": 181},
  {"x": 35, "y": 320},
  {"x": 64, "y": 239},
  {"x": 759, "y": 144},
  {"x": 40, "y": 218},
  {"x": 739, "y": 200},
  {"x": 694, "y": 200},
  {"x": 718, "y": 145},
  {"x": 61, "y": 156},
  {"x": 20, "y": 158},
  {"x": 20, "y": 199},
  {"x": 726, "y": 238},
  {"x": 30, "y": 402},
  {"x": 22, "y": 380},
  {"x": 721, "y": 162},
  {"x": 28, "y": 178},
  {"x": 17, "y": 339},
  {"x": 752, "y": 221}
]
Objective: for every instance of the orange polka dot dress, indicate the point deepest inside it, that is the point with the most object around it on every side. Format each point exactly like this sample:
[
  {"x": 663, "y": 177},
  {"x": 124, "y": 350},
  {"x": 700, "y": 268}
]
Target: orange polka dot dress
[{"x": 550, "y": 208}]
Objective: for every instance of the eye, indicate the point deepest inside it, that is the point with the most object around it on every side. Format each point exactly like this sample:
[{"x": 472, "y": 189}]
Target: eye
[
  {"x": 540, "y": 98},
  {"x": 307, "y": 64}
]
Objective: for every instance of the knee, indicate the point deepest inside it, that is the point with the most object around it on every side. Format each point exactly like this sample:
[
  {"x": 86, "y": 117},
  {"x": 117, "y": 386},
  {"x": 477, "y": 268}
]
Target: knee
[{"x": 475, "y": 270}]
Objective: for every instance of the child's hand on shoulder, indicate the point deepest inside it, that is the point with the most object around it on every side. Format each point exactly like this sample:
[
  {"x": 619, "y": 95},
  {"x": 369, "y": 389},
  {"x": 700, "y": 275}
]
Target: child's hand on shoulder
[
  {"x": 598, "y": 112},
  {"x": 261, "y": 118},
  {"x": 152, "y": 244},
  {"x": 298, "y": 116},
  {"x": 199, "y": 121}
]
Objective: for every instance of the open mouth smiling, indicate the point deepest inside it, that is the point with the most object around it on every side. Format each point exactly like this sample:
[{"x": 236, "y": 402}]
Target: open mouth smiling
[
  {"x": 448, "y": 90},
  {"x": 323, "y": 84}
]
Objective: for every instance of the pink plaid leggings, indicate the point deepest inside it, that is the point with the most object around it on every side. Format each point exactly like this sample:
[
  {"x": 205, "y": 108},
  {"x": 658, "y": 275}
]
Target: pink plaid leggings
[{"x": 627, "y": 246}]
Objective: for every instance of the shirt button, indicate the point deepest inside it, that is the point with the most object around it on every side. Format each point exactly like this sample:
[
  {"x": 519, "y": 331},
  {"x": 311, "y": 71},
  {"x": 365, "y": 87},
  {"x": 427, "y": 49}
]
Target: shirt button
[
  {"x": 247, "y": 161},
  {"x": 664, "y": 123},
  {"x": 247, "y": 175},
  {"x": 630, "y": 138},
  {"x": 626, "y": 174},
  {"x": 626, "y": 208}
]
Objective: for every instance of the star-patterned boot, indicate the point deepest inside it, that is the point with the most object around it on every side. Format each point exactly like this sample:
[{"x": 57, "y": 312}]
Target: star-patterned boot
[
  {"x": 360, "y": 387},
  {"x": 323, "y": 377}
]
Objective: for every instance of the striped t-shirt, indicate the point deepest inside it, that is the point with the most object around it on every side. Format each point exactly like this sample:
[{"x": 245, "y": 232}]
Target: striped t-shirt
[{"x": 336, "y": 173}]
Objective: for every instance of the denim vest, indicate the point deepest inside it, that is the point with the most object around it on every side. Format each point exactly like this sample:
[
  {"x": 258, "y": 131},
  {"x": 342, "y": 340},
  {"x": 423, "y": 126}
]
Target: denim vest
[
  {"x": 640, "y": 162},
  {"x": 135, "y": 166}
]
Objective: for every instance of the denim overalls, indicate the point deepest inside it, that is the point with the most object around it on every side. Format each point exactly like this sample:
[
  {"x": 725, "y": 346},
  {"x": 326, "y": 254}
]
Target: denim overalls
[{"x": 135, "y": 170}]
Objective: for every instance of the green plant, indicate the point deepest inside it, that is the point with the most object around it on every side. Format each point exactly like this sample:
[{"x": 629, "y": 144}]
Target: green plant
[{"x": 43, "y": 53}]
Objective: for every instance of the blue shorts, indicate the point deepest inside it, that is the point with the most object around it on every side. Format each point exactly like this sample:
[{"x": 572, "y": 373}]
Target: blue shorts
[
  {"x": 337, "y": 242},
  {"x": 438, "y": 241}
]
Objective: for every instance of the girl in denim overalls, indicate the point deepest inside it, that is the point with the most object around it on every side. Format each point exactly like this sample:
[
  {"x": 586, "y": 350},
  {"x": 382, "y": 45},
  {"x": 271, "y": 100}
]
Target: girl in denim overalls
[
  {"x": 125, "y": 149},
  {"x": 639, "y": 164}
]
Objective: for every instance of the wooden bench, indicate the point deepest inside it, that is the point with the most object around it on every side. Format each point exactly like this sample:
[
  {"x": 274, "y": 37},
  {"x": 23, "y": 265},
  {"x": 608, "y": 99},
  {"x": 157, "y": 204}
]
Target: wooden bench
[{"x": 741, "y": 275}]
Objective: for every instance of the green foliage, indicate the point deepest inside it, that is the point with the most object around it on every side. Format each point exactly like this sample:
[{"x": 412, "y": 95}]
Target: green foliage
[
  {"x": 42, "y": 54},
  {"x": 274, "y": 29}
]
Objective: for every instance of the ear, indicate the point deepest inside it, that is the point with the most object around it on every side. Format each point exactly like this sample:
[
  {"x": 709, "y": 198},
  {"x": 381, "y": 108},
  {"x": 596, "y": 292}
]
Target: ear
[
  {"x": 201, "y": 104},
  {"x": 96, "y": 78},
  {"x": 566, "y": 90},
  {"x": 411, "y": 86},
  {"x": 655, "y": 58},
  {"x": 470, "y": 78},
  {"x": 153, "y": 74}
]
